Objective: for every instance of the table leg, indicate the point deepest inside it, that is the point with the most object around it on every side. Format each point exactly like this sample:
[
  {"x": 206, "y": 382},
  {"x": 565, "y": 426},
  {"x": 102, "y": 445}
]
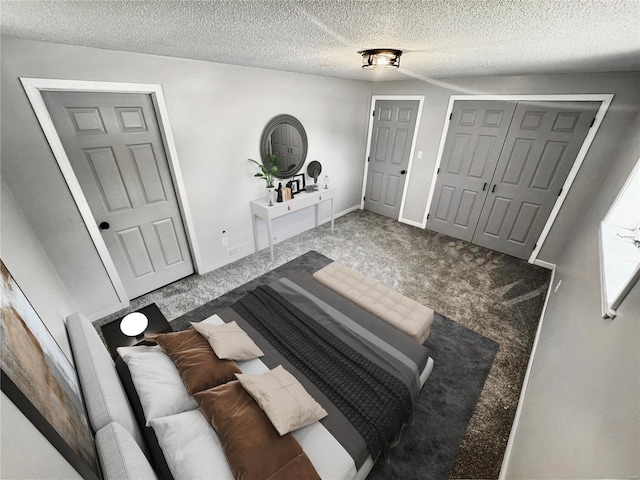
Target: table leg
[
  {"x": 331, "y": 215},
  {"x": 255, "y": 231},
  {"x": 270, "y": 236}
]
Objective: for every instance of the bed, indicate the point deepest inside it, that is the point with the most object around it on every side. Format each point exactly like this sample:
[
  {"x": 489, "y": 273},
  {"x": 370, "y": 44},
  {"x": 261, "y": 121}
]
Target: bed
[{"x": 156, "y": 418}]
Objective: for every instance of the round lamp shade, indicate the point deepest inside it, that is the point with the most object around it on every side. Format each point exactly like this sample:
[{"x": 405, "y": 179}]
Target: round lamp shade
[{"x": 134, "y": 324}]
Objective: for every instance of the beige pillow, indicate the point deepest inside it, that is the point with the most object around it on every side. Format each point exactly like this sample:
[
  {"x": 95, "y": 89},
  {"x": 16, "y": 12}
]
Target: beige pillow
[
  {"x": 229, "y": 341},
  {"x": 283, "y": 399}
]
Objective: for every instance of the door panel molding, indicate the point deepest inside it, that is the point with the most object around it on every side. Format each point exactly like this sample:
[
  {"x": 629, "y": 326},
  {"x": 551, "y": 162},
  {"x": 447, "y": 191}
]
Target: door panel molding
[
  {"x": 33, "y": 88},
  {"x": 530, "y": 122},
  {"x": 372, "y": 108}
]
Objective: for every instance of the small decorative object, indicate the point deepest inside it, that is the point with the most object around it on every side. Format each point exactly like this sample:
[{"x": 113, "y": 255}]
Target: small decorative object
[
  {"x": 290, "y": 186},
  {"x": 380, "y": 58},
  {"x": 314, "y": 170},
  {"x": 279, "y": 190},
  {"x": 267, "y": 172},
  {"x": 134, "y": 324},
  {"x": 326, "y": 182},
  {"x": 271, "y": 195}
]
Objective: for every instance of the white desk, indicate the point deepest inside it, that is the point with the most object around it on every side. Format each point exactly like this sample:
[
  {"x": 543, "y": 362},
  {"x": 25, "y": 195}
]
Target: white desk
[{"x": 260, "y": 208}]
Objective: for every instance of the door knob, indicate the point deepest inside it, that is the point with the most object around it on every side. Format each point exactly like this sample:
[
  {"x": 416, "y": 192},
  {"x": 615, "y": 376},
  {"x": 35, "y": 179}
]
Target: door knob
[
  {"x": 104, "y": 226},
  {"x": 402, "y": 172}
]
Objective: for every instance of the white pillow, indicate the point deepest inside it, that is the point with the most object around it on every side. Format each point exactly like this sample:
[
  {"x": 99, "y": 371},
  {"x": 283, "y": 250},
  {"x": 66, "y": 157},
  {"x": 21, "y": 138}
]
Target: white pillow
[
  {"x": 229, "y": 341},
  {"x": 157, "y": 382},
  {"x": 283, "y": 399},
  {"x": 191, "y": 447}
]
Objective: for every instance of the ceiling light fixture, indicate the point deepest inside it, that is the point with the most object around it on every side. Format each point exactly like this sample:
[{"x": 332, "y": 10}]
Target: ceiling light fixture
[{"x": 380, "y": 58}]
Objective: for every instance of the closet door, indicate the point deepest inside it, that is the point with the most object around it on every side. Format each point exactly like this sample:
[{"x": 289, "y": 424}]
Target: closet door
[
  {"x": 541, "y": 146},
  {"x": 474, "y": 141}
]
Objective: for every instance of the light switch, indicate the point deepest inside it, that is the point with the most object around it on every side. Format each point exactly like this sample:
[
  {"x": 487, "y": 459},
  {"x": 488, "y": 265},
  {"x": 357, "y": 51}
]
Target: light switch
[{"x": 419, "y": 154}]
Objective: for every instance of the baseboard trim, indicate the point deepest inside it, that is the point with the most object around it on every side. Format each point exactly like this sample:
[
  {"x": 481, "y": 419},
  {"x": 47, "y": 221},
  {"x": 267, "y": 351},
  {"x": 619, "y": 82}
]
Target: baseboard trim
[
  {"x": 525, "y": 383},
  {"x": 92, "y": 317},
  {"x": 543, "y": 264},
  {"x": 411, "y": 222}
]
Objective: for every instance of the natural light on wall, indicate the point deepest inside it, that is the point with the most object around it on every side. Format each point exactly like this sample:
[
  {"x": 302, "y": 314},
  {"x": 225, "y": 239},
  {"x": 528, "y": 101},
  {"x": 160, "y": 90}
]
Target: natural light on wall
[{"x": 620, "y": 245}]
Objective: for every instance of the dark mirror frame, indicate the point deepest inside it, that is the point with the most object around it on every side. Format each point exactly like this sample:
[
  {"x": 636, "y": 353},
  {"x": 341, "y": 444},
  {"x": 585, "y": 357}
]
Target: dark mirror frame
[{"x": 266, "y": 134}]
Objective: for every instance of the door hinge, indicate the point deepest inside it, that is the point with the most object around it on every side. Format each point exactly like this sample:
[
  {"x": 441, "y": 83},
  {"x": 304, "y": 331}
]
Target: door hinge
[
  {"x": 560, "y": 192},
  {"x": 373, "y": 114},
  {"x": 368, "y": 158},
  {"x": 534, "y": 246},
  {"x": 428, "y": 216},
  {"x": 364, "y": 198},
  {"x": 438, "y": 172},
  {"x": 592, "y": 122},
  {"x": 450, "y": 115}
]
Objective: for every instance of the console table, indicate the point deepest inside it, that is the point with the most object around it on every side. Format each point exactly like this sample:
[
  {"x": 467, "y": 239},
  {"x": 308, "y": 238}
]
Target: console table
[{"x": 260, "y": 208}]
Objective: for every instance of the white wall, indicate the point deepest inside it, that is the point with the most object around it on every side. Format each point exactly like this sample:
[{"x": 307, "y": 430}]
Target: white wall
[
  {"x": 217, "y": 113},
  {"x": 604, "y": 150},
  {"x": 581, "y": 411},
  {"x": 31, "y": 268},
  {"x": 24, "y": 451}
]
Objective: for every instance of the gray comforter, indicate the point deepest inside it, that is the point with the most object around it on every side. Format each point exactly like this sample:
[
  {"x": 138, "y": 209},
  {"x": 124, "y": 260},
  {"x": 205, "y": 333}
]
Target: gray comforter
[{"x": 391, "y": 359}]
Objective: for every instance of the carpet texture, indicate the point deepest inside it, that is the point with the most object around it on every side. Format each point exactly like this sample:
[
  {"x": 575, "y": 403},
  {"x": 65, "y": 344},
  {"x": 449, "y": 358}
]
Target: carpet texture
[{"x": 462, "y": 358}]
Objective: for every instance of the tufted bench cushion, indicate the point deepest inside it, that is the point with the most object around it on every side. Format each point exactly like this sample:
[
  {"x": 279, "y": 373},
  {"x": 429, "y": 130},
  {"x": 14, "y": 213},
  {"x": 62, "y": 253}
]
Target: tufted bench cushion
[{"x": 394, "y": 308}]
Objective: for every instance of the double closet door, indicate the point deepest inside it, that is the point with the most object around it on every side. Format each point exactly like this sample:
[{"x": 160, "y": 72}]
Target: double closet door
[{"x": 503, "y": 167}]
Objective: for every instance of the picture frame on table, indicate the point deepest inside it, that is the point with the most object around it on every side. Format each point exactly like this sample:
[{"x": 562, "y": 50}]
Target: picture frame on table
[
  {"x": 40, "y": 380},
  {"x": 301, "y": 183},
  {"x": 294, "y": 185}
]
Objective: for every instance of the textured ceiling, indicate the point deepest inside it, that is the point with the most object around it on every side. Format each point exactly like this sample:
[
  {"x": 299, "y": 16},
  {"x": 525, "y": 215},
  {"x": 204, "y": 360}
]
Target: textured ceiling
[{"x": 440, "y": 38}]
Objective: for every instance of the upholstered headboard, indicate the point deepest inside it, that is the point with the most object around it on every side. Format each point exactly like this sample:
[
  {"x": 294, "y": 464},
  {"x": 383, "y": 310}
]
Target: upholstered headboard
[{"x": 121, "y": 447}]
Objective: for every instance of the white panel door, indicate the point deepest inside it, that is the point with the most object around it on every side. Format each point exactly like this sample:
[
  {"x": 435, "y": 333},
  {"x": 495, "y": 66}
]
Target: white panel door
[
  {"x": 476, "y": 134},
  {"x": 114, "y": 145},
  {"x": 393, "y": 129},
  {"x": 543, "y": 142}
]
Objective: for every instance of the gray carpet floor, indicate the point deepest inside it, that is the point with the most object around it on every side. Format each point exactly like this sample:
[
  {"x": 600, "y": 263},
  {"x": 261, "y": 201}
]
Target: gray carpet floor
[{"x": 493, "y": 294}]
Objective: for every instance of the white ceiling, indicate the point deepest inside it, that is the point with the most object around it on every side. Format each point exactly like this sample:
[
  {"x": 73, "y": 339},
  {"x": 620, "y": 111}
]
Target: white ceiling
[{"x": 440, "y": 38}]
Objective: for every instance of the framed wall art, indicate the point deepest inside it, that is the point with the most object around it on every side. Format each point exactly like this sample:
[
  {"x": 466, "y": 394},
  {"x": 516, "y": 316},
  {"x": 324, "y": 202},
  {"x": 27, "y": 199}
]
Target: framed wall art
[{"x": 41, "y": 381}]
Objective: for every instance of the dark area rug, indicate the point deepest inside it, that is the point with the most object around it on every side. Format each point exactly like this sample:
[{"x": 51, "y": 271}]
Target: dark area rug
[{"x": 462, "y": 358}]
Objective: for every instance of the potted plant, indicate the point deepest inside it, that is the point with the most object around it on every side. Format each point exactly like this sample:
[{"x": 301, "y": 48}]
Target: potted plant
[{"x": 267, "y": 172}]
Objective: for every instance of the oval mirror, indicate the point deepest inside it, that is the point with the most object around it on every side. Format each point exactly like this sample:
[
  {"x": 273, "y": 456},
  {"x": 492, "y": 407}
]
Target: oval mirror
[{"x": 284, "y": 137}]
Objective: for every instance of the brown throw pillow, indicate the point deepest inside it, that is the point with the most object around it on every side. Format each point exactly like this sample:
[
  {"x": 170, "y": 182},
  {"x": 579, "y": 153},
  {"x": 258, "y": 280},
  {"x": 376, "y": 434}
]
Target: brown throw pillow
[
  {"x": 198, "y": 365},
  {"x": 253, "y": 447}
]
